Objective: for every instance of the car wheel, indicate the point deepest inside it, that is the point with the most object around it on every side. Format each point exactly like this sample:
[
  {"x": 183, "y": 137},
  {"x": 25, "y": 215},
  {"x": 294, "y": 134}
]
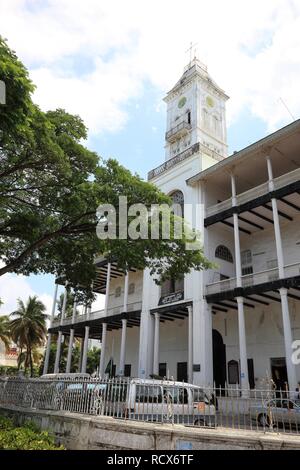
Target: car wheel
[
  {"x": 200, "y": 422},
  {"x": 264, "y": 420}
]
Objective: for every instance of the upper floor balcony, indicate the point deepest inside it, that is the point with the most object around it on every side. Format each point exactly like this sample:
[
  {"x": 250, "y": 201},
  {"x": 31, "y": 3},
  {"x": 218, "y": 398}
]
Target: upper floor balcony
[
  {"x": 178, "y": 131},
  {"x": 251, "y": 280},
  {"x": 97, "y": 315},
  {"x": 255, "y": 192}
]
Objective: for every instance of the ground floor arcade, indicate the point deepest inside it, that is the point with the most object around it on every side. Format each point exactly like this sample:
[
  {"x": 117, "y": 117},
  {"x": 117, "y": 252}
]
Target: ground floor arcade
[{"x": 169, "y": 341}]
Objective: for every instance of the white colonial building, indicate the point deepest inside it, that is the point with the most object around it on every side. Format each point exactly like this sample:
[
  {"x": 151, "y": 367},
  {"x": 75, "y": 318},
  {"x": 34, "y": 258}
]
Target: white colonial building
[{"x": 234, "y": 324}]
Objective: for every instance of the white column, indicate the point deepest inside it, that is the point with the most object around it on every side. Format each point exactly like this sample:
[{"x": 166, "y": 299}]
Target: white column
[
  {"x": 64, "y": 306},
  {"x": 58, "y": 349},
  {"x": 47, "y": 353},
  {"x": 85, "y": 349},
  {"x": 240, "y": 301},
  {"x": 123, "y": 347},
  {"x": 102, "y": 353},
  {"x": 278, "y": 239},
  {"x": 107, "y": 289},
  {"x": 243, "y": 347},
  {"x": 70, "y": 350},
  {"x": 237, "y": 247},
  {"x": 156, "y": 344},
  {"x": 126, "y": 285},
  {"x": 190, "y": 343},
  {"x": 288, "y": 340}
]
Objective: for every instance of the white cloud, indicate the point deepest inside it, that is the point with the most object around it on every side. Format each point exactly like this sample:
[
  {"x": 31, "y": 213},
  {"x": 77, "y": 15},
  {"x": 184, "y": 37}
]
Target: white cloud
[
  {"x": 13, "y": 287},
  {"x": 93, "y": 57}
]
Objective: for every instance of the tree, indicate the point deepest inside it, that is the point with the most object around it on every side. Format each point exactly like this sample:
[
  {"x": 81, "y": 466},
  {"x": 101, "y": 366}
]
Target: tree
[
  {"x": 5, "y": 334},
  {"x": 69, "y": 305},
  {"x": 93, "y": 358},
  {"x": 50, "y": 188},
  {"x": 28, "y": 328}
]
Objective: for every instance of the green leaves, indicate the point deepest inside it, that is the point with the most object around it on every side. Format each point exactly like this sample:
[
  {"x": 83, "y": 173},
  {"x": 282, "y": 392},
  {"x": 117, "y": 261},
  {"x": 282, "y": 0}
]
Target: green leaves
[
  {"x": 27, "y": 437},
  {"x": 50, "y": 188}
]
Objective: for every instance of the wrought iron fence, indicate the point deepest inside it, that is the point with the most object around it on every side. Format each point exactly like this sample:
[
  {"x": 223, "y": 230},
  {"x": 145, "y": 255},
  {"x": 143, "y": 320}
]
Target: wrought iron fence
[{"x": 154, "y": 401}]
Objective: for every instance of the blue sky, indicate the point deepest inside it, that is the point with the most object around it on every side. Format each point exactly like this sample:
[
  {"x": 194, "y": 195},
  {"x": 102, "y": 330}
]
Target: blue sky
[{"x": 112, "y": 63}]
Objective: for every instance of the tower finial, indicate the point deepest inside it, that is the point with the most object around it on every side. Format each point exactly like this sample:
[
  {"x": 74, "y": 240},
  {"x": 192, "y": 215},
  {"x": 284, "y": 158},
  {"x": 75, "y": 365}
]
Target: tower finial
[{"x": 190, "y": 50}]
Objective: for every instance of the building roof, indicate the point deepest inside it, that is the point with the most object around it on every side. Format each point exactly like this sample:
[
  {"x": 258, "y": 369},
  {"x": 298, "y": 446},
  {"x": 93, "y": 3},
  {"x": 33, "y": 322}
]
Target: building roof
[{"x": 259, "y": 149}]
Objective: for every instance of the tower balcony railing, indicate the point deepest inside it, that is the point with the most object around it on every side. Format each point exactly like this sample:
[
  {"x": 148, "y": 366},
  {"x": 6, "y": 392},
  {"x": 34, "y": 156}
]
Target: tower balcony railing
[
  {"x": 255, "y": 192},
  {"x": 132, "y": 307},
  {"x": 262, "y": 277},
  {"x": 178, "y": 131}
]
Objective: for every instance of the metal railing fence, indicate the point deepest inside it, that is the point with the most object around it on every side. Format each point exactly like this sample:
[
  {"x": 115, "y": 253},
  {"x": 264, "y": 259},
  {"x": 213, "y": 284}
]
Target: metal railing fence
[{"x": 169, "y": 402}]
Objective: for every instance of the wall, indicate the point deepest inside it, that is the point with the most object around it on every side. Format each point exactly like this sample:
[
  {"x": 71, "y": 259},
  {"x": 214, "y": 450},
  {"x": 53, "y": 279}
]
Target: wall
[{"x": 80, "y": 432}]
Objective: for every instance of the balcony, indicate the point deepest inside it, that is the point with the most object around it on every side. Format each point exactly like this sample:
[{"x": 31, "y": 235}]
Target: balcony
[
  {"x": 254, "y": 279},
  {"x": 178, "y": 131},
  {"x": 255, "y": 192},
  {"x": 173, "y": 161},
  {"x": 135, "y": 306}
]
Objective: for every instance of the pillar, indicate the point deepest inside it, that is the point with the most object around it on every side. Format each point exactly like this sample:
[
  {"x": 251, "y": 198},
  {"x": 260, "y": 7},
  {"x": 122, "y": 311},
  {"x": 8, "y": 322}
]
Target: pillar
[
  {"x": 47, "y": 352},
  {"x": 107, "y": 289},
  {"x": 123, "y": 347},
  {"x": 70, "y": 350},
  {"x": 85, "y": 349},
  {"x": 190, "y": 344},
  {"x": 156, "y": 344},
  {"x": 288, "y": 340},
  {"x": 126, "y": 285},
  {"x": 243, "y": 347},
  {"x": 244, "y": 376},
  {"x": 103, "y": 347},
  {"x": 58, "y": 350},
  {"x": 58, "y": 347}
]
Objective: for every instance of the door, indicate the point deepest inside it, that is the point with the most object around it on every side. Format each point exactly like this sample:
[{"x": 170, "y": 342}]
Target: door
[
  {"x": 251, "y": 374},
  {"x": 219, "y": 360},
  {"x": 182, "y": 372},
  {"x": 279, "y": 373}
]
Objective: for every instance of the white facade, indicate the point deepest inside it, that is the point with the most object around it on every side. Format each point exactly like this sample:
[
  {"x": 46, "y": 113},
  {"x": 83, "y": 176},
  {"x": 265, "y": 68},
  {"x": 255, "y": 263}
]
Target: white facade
[{"x": 237, "y": 322}]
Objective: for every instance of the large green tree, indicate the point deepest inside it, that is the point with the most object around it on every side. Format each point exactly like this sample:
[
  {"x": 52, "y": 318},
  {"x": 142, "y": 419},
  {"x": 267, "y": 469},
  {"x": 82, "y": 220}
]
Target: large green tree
[
  {"x": 28, "y": 329},
  {"x": 50, "y": 188}
]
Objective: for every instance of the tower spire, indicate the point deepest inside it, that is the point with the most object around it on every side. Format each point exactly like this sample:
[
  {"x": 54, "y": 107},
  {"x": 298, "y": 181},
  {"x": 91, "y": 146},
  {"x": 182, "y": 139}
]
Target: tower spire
[{"x": 190, "y": 51}]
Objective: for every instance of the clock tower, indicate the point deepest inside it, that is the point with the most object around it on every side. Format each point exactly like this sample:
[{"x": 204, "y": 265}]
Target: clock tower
[{"x": 196, "y": 115}]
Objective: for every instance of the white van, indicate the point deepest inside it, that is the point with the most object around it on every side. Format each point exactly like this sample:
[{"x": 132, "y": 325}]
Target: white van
[{"x": 157, "y": 401}]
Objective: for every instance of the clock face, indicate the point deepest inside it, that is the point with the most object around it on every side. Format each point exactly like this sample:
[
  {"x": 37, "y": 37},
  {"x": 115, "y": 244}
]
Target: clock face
[
  {"x": 181, "y": 102},
  {"x": 210, "y": 102}
]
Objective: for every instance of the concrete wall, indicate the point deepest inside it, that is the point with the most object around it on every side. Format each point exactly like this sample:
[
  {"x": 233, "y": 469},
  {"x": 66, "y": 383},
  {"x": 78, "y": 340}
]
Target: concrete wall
[{"x": 80, "y": 432}]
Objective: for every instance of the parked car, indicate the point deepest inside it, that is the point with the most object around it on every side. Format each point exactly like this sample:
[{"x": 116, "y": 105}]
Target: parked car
[
  {"x": 167, "y": 401},
  {"x": 277, "y": 412},
  {"x": 138, "y": 399}
]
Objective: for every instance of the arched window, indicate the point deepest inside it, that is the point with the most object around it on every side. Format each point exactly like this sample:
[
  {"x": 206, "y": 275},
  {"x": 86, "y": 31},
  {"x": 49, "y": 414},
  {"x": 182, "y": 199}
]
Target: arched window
[
  {"x": 222, "y": 252},
  {"x": 178, "y": 199}
]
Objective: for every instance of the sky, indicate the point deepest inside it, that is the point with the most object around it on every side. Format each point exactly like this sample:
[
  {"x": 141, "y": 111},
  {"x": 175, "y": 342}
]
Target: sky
[{"x": 112, "y": 63}]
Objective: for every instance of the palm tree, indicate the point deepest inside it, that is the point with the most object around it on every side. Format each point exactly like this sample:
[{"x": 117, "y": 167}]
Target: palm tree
[
  {"x": 5, "y": 331},
  {"x": 28, "y": 328}
]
